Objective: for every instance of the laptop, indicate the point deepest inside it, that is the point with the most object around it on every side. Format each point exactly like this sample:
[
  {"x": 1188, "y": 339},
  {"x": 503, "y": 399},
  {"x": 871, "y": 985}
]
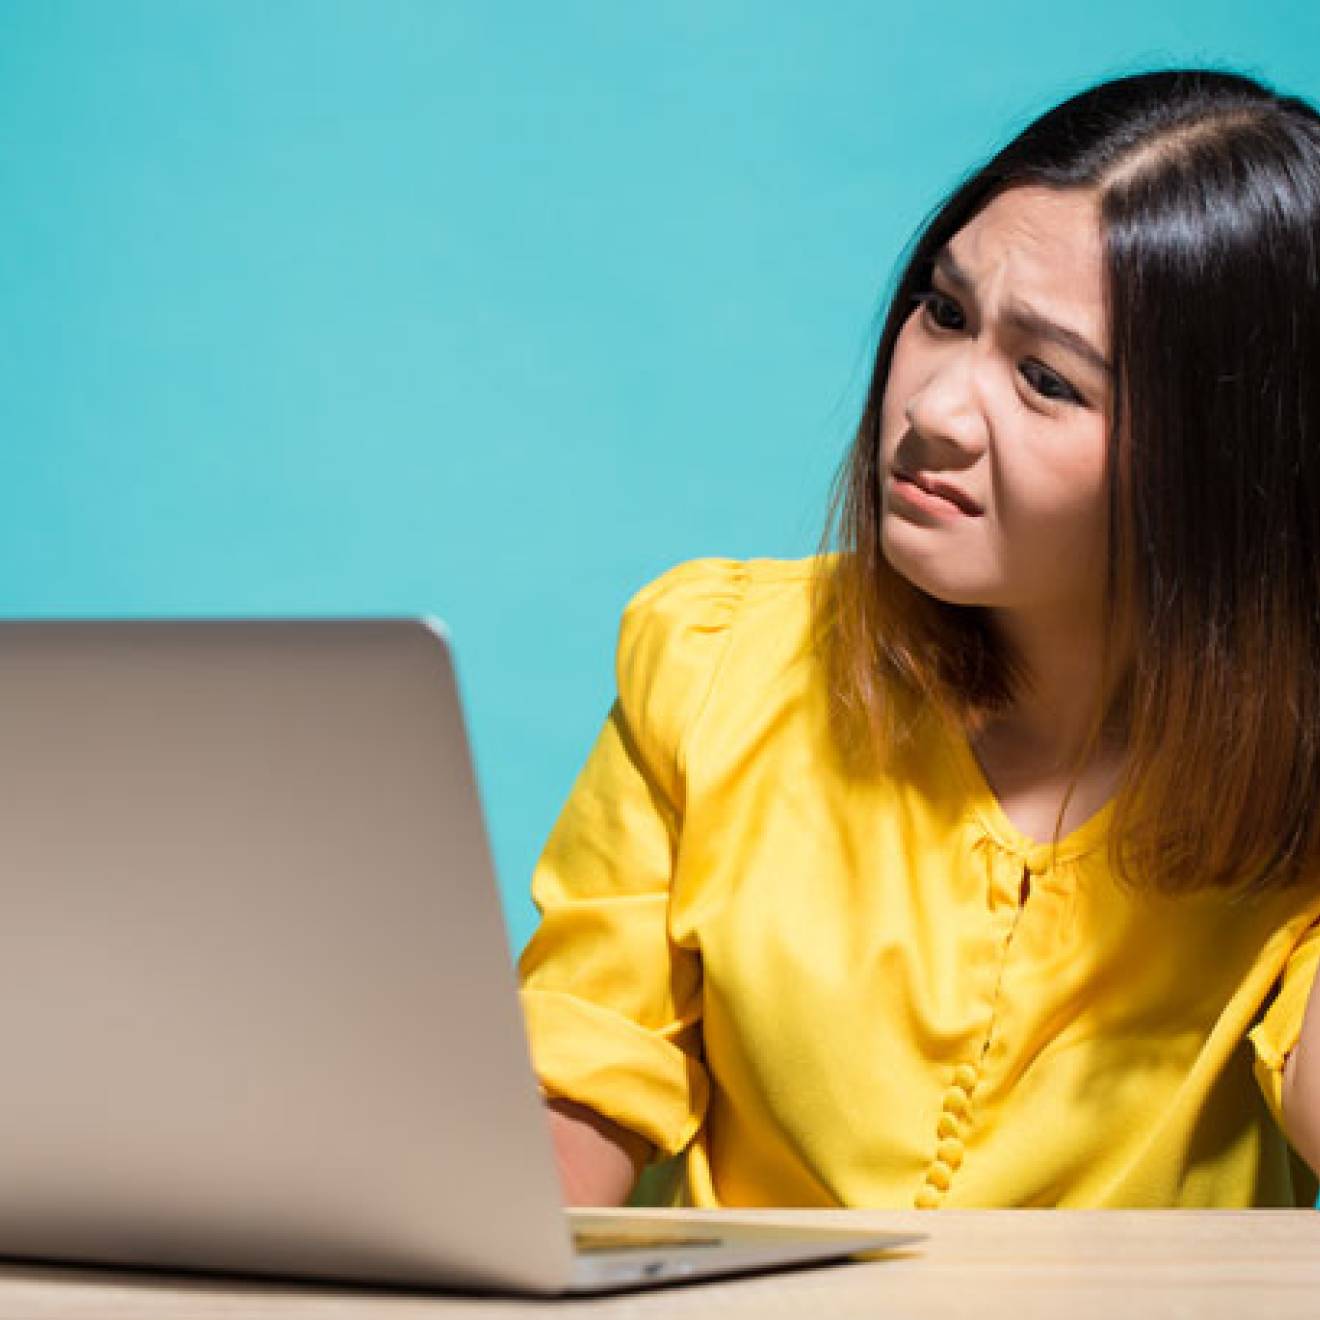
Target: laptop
[{"x": 258, "y": 1012}]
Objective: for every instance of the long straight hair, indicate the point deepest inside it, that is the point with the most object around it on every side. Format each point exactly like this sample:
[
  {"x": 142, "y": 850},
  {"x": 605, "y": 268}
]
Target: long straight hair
[{"x": 1208, "y": 185}]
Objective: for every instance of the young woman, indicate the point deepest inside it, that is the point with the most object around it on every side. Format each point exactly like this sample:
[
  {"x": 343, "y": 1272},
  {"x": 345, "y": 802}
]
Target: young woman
[{"x": 976, "y": 860}]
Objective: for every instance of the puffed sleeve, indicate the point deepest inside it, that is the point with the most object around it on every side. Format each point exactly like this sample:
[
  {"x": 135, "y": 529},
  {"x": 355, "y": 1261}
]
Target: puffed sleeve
[
  {"x": 612, "y": 1003},
  {"x": 1275, "y": 1035}
]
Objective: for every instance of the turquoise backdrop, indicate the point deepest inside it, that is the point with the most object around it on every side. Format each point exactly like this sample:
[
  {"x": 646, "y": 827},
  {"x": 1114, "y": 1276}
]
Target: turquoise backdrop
[{"x": 485, "y": 310}]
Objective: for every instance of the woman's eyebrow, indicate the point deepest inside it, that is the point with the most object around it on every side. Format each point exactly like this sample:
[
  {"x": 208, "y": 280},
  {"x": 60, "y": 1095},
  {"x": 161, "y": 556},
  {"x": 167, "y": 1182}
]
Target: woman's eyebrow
[{"x": 1026, "y": 318}]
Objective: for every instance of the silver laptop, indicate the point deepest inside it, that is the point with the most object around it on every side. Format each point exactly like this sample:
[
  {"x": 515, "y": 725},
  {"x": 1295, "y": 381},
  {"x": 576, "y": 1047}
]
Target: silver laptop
[{"x": 257, "y": 1009}]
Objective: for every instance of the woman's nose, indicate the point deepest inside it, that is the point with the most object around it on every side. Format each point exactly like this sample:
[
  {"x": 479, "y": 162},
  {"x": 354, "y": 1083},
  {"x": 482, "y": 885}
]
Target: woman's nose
[{"x": 947, "y": 407}]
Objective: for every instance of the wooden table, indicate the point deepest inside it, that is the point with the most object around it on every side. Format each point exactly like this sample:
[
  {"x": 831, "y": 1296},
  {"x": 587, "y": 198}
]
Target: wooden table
[{"x": 1016, "y": 1264}]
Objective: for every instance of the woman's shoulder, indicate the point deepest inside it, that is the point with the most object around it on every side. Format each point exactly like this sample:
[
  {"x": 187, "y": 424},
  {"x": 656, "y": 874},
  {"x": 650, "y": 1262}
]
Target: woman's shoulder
[
  {"x": 737, "y": 627},
  {"x": 688, "y": 615}
]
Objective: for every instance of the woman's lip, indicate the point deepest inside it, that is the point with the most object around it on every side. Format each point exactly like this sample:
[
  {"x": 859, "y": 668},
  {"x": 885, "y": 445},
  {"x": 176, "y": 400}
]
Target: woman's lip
[{"x": 933, "y": 495}]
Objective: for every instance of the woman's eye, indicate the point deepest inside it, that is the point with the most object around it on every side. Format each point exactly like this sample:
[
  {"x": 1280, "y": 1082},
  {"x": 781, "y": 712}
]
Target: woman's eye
[
  {"x": 940, "y": 310},
  {"x": 1048, "y": 385}
]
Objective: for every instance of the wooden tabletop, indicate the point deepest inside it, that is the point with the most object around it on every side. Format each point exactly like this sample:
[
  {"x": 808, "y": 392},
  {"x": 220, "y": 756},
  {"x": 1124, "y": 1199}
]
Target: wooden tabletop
[{"x": 1016, "y": 1264}]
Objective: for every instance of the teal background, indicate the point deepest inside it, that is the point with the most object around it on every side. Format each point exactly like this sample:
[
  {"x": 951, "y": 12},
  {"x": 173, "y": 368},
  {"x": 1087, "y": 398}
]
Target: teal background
[{"x": 491, "y": 311}]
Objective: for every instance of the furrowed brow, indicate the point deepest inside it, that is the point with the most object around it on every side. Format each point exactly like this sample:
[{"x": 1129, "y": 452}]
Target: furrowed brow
[{"x": 1026, "y": 318}]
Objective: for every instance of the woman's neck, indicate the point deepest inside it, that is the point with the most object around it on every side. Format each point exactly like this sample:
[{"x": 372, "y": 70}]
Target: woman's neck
[
  {"x": 1052, "y": 719},
  {"x": 1041, "y": 759}
]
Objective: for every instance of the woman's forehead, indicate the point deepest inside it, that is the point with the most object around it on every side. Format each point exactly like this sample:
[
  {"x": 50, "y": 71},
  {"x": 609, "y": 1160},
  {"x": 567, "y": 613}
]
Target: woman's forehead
[
  {"x": 1046, "y": 225},
  {"x": 1037, "y": 245}
]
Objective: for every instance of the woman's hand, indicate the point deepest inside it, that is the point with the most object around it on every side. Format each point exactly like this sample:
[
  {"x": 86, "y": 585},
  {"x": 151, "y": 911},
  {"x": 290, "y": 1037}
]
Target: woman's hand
[{"x": 598, "y": 1160}]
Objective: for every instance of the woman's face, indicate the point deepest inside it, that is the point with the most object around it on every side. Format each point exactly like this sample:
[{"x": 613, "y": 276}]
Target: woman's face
[{"x": 995, "y": 414}]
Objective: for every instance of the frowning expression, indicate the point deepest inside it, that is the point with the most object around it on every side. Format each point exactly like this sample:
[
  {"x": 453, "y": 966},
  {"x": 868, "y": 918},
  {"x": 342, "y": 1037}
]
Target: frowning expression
[{"x": 996, "y": 411}]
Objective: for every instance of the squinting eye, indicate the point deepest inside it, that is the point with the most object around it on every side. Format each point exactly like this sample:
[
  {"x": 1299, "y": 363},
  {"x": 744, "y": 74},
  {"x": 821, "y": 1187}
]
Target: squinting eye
[
  {"x": 939, "y": 309},
  {"x": 1048, "y": 385}
]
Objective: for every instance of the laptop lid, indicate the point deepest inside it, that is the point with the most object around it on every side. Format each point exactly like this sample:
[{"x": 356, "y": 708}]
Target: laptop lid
[{"x": 255, "y": 991}]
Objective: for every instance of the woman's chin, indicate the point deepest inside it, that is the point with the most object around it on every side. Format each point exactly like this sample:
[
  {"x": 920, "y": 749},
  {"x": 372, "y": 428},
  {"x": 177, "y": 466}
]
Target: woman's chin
[{"x": 935, "y": 580}]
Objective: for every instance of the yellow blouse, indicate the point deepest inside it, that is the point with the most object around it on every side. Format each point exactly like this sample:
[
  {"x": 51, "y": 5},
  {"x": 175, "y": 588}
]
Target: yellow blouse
[{"x": 831, "y": 991}]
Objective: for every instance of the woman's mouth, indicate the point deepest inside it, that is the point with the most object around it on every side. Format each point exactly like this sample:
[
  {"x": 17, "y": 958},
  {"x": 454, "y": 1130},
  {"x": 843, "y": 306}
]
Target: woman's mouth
[{"x": 931, "y": 495}]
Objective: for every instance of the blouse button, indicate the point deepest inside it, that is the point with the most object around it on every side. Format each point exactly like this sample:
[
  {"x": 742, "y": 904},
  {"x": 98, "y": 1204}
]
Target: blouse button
[
  {"x": 955, "y": 1101},
  {"x": 964, "y": 1075},
  {"x": 1038, "y": 859},
  {"x": 939, "y": 1175},
  {"x": 927, "y": 1199},
  {"x": 950, "y": 1152},
  {"x": 947, "y": 1126}
]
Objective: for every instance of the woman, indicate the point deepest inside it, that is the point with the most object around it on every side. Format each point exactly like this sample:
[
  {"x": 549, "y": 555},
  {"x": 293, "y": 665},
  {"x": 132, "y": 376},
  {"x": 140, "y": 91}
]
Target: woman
[{"x": 977, "y": 861}]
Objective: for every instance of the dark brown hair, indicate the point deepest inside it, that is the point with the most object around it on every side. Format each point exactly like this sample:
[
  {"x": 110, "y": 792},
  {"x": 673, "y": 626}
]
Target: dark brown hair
[{"x": 1208, "y": 185}]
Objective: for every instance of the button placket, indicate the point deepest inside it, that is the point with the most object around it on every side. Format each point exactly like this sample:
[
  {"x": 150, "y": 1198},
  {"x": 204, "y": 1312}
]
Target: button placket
[
  {"x": 955, "y": 1112},
  {"x": 1011, "y": 876}
]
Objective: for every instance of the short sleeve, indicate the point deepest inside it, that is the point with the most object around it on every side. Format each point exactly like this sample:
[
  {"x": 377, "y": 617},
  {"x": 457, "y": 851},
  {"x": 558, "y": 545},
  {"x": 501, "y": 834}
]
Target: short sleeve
[
  {"x": 1276, "y": 1034},
  {"x": 612, "y": 1004}
]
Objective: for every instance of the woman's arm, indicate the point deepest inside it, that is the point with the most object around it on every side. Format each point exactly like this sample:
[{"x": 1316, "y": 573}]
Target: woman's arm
[
  {"x": 598, "y": 1160},
  {"x": 1301, "y": 1086}
]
